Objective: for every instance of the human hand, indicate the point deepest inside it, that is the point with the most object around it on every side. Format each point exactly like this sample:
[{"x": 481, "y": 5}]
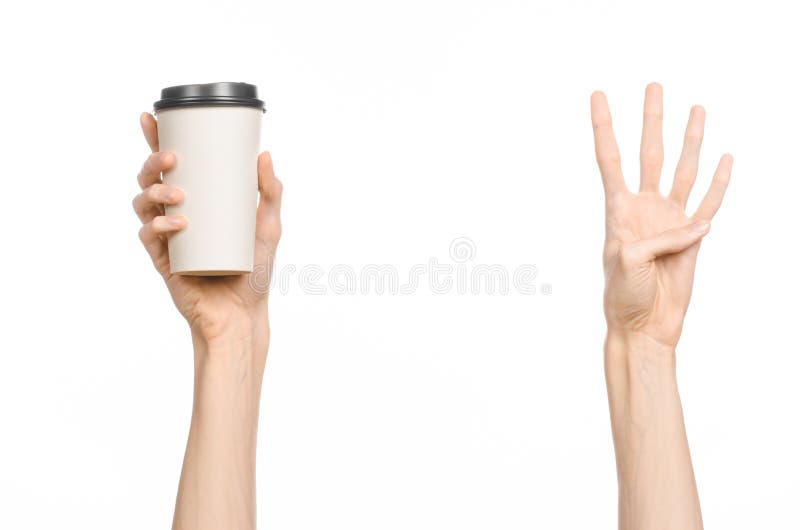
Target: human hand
[
  {"x": 651, "y": 244},
  {"x": 215, "y": 307}
]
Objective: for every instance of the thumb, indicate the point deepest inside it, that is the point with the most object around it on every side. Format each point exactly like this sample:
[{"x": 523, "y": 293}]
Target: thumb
[
  {"x": 269, "y": 186},
  {"x": 268, "y": 215},
  {"x": 669, "y": 242}
]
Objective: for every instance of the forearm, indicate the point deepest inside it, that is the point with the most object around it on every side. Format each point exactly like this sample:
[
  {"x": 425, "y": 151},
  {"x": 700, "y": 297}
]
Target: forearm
[
  {"x": 217, "y": 486},
  {"x": 657, "y": 488}
]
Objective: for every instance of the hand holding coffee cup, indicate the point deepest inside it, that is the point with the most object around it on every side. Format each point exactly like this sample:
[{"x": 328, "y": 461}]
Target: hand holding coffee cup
[{"x": 211, "y": 305}]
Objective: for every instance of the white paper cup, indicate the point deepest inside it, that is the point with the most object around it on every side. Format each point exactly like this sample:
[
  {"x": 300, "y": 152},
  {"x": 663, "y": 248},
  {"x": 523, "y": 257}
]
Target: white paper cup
[{"x": 214, "y": 131}]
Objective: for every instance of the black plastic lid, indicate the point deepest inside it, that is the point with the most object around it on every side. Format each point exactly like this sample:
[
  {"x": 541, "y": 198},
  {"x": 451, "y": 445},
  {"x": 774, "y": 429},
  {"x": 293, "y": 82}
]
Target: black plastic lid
[{"x": 210, "y": 95}]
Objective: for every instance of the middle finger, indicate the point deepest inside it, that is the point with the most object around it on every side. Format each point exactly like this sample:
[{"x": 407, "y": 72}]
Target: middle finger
[{"x": 652, "y": 149}]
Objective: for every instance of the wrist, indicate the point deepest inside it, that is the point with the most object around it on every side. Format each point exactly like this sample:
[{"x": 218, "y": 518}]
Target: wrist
[
  {"x": 234, "y": 353},
  {"x": 640, "y": 377},
  {"x": 640, "y": 374},
  {"x": 234, "y": 330},
  {"x": 623, "y": 346},
  {"x": 633, "y": 359},
  {"x": 230, "y": 340}
]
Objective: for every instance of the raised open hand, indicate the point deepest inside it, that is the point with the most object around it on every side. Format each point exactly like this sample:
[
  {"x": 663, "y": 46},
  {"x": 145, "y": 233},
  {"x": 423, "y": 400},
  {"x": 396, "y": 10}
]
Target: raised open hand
[
  {"x": 651, "y": 244},
  {"x": 212, "y": 305}
]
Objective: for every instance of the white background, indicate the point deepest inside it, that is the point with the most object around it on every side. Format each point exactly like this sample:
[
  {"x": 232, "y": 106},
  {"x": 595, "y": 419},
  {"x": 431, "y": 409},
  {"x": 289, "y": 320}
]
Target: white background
[{"x": 396, "y": 127}]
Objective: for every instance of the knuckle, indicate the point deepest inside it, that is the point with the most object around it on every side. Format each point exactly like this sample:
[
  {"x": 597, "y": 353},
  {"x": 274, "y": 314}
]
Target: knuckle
[
  {"x": 694, "y": 137},
  {"x": 682, "y": 185},
  {"x": 153, "y": 164},
  {"x": 721, "y": 180},
  {"x": 653, "y": 155},
  {"x": 148, "y": 165}
]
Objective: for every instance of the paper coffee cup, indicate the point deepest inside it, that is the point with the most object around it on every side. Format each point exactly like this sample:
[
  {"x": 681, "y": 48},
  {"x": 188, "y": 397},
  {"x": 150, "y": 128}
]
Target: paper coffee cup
[{"x": 214, "y": 131}]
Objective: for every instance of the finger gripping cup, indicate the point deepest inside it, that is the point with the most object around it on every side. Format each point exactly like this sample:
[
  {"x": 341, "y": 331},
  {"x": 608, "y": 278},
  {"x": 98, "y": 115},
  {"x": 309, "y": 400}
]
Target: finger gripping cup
[{"x": 214, "y": 132}]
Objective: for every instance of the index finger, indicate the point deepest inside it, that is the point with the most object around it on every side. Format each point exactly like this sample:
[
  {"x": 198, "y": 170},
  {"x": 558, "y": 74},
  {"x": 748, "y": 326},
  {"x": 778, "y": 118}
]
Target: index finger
[
  {"x": 150, "y": 130},
  {"x": 605, "y": 145}
]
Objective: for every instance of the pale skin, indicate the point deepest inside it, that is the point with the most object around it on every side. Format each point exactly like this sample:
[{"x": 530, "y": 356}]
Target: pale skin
[
  {"x": 228, "y": 319},
  {"x": 649, "y": 260}
]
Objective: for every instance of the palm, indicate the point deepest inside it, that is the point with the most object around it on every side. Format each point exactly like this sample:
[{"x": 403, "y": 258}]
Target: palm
[
  {"x": 656, "y": 298},
  {"x": 214, "y": 299},
  {"x": 651, "y": 244}
]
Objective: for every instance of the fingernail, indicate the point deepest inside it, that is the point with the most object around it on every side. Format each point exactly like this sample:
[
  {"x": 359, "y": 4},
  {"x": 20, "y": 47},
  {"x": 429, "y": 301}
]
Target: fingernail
[
  {"x": 172, "y": 196},
  {"x": 176, "y": 221},
  {"x": 700, "y": 226}
]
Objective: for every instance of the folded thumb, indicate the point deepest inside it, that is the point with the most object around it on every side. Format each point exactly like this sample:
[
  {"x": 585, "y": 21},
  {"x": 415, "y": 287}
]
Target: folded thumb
[{"x": 669, "y": 242}]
